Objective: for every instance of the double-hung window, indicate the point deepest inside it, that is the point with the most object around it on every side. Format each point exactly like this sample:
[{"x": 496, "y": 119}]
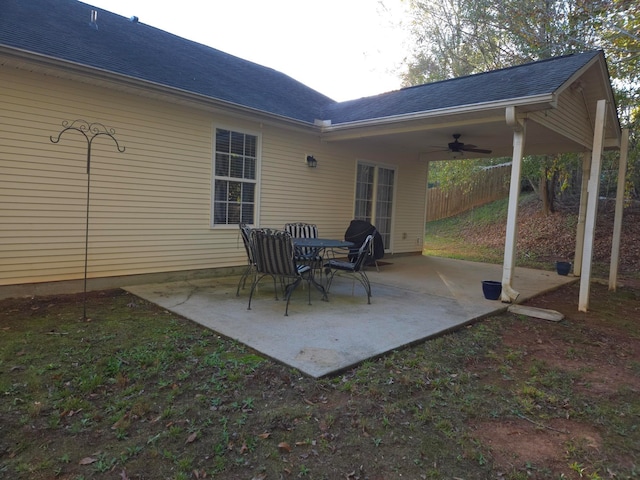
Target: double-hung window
[{"x": 234, "y": 183}]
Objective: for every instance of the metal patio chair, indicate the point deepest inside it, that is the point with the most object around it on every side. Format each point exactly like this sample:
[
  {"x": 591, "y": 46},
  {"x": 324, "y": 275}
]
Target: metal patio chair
[
  {"x": 353, "y": 268},
  {"x": 306, "y": 255},
  {"x": 357, "y": 232},
  {"x": 274, "y": 257},
  {"x": 245, "y": 233}
]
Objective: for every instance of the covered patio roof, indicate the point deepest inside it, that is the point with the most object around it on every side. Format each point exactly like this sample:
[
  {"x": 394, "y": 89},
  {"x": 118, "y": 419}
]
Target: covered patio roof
[
  {"x": 421, "y": 120},
  {"x": 559, "y": 105}
]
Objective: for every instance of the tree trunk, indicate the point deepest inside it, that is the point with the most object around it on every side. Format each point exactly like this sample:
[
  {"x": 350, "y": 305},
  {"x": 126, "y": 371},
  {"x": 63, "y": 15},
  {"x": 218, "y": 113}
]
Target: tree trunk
[
  {"x": 551, "y": 190},
  {"x": 547, "y": 187},
  {"x": 544, "y": 194}
]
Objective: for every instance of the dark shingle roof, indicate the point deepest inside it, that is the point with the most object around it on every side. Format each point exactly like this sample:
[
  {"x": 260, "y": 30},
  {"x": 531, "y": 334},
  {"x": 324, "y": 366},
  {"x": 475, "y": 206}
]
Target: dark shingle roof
[
  {"x": 543, "y": 77},
  {"x": 61, "y": 29}
]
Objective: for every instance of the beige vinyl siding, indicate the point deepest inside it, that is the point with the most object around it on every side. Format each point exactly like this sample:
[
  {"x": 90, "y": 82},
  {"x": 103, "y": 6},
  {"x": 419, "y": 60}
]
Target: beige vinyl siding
[
  {"x": 150, "y": 206},
  {"x": 410, "y": 206},
  {"x": 291, "y": 191},
  {"x": 563, "y": 119}
]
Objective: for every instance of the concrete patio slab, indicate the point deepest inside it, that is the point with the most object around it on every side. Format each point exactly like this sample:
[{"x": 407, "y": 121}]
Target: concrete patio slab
[{"x": 414, "y": 298}]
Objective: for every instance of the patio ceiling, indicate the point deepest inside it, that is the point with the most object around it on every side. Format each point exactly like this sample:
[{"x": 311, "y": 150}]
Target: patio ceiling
[{"x": 429, "y": 141}]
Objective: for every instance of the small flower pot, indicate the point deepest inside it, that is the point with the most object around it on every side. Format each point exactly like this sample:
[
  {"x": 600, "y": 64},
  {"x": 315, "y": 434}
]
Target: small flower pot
[
  {"x": 491, "y": 289},
  {"x": 563, "y": 268}
]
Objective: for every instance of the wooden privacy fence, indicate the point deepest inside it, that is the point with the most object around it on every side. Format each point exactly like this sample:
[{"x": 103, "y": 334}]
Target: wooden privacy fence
[{"x": 490, "y": 184}]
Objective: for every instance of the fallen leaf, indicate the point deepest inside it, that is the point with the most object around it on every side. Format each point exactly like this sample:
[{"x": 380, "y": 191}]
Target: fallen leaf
[
  {"x": 264, "y": 435},
  {"x": 284, "y": 447},
  {"x": 192, "y": 437},
  {"x": 120, "y": 422},
  {"x": 123, "y": 475},
  {"x": 87, "y": 461}
]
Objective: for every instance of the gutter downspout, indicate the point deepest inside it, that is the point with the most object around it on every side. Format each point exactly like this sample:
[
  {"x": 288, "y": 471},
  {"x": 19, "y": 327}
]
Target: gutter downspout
[{"x": 509, "y": 295}]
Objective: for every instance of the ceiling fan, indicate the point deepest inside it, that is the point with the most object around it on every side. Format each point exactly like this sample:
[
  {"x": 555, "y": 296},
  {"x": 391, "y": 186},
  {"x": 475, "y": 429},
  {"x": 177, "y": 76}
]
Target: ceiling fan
[{"x": 459, "y": 147}]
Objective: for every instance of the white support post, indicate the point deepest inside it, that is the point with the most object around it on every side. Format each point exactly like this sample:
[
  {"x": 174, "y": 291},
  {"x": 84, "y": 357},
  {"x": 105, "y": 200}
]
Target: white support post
[
  {"x": 582, "y": 213},
  {"x": 426, "y": 204},
  {"x": 592, "y": 205},
  {"x": 510, "y": 295},
  {"x": 617, "y": 221}
]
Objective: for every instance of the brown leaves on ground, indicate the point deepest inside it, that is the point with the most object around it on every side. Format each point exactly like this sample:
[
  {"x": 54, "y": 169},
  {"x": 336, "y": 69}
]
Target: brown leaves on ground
[{"x": 553, "y": 237}]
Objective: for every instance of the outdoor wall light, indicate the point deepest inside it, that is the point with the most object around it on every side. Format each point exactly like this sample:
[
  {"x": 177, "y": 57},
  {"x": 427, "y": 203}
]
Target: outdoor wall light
[{"x": 311, "y": 161}]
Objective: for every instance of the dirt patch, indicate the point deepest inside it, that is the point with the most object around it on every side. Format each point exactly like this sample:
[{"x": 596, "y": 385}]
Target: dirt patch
[
  {"x": 520, "y": 442},
  {"x": 595, "y": 347},
  {"x": 597, "y": 353}
]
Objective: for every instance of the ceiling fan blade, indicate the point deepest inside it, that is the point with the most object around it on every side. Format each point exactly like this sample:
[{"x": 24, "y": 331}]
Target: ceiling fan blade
[
  {"x": 438, "y": 150},
  {"x": 475, "y": 150}
]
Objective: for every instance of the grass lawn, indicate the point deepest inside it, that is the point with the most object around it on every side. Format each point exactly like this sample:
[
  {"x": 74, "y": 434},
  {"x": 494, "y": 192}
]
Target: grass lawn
[{"x": 136, "y": 392}]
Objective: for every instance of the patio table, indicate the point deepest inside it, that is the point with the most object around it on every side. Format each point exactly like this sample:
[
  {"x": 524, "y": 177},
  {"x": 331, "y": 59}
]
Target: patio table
[{"x": 319, "y": 245}]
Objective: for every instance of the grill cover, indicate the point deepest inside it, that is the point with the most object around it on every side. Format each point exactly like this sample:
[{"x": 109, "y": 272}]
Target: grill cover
[{"x": 357, "y": 233}]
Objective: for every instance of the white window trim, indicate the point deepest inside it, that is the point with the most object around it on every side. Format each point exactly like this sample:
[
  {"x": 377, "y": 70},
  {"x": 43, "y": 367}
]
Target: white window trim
[{"x": 258, "y": 181}]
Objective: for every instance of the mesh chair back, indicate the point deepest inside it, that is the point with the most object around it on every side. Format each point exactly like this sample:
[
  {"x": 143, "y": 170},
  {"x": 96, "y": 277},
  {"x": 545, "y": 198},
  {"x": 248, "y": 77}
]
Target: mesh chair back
[{"x": 364, "y": 252}]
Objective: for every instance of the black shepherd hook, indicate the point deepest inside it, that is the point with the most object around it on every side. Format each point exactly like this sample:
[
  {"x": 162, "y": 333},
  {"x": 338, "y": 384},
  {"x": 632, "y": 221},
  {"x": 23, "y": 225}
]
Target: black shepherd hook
[{"x": 90, "y": 132}]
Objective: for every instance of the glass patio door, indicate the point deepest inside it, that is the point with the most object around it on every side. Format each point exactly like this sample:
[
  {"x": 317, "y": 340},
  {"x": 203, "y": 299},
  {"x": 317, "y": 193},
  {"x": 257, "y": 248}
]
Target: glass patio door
[{"x": 374, "y": 198}]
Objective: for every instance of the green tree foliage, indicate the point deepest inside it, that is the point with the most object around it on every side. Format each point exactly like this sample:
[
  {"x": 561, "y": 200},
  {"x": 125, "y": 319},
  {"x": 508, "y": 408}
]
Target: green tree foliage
[
  {"x": 460, "y": 37},
  {"x": 447, "y": 174}
]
